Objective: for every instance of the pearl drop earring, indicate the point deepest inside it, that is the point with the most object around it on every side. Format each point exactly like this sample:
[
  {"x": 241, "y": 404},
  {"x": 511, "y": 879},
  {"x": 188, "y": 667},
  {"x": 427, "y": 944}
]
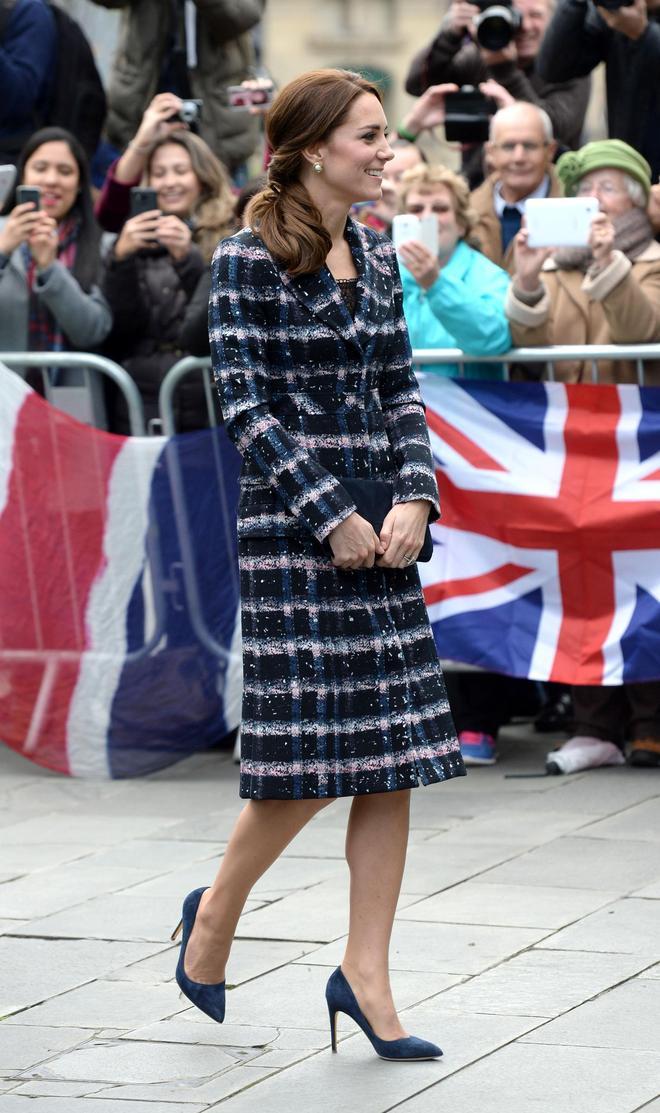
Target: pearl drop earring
[{"x": 318, "y": 167}]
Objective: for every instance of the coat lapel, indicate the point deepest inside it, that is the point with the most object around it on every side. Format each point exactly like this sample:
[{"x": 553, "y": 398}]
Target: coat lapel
[{"x": 320, "y": 294}]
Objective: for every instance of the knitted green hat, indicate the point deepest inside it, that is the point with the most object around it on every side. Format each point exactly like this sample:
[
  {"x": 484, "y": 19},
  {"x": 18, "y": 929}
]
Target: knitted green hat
[{"x": 603, "y": 154}]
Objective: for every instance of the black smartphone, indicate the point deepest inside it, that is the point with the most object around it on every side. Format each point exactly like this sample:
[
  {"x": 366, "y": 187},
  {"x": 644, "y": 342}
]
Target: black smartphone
[
  {"x": 143, "y": 200},
  {"x": 28, "y": 193}
]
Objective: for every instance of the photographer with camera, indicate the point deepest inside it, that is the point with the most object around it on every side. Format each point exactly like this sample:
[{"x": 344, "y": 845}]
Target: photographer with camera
[
  {"x": 494, "y": 47},
  {"x": 625, "y": 35},
  {"x": 194, "y": 49}
]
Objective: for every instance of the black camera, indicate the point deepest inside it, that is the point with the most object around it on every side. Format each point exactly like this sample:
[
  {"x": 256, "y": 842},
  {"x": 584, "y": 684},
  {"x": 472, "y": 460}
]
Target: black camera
[
  {"x": 467, "y": 115},
  {"x": 497, "y": 25}
]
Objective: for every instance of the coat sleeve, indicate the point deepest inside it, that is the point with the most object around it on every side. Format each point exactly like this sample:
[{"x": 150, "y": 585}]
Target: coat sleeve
[
  {"x": 473, "y": 310},
  {"x": 27, "y": 55},
  {"x": 404, "y": 410},
  {"x": 227, "y": 19},
  {"x": 631, "y": 305},
  {"x": 86, "y": 318},
  {"x": 576, "y": 40},
  {"x": 243, "y": 308},
  {"x": 447, "y": 58}
]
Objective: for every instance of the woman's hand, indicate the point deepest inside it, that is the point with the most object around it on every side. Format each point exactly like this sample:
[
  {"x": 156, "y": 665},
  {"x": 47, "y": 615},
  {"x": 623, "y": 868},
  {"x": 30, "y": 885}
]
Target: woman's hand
[
  {"x": 601, "y": 240},
  {"x": 402, "y": 535},
  {"x": 354, "y": 543},
  {"x": 42, "y": 241},
  {"x": 423, "y": 265},
  {"x": 154, "y": 124},
  {"x": 138, "y": 233},
  {"x": 529, "y": 261},
  {"x": 175, "y": 235},
  {"x": 18, "y": 227}
]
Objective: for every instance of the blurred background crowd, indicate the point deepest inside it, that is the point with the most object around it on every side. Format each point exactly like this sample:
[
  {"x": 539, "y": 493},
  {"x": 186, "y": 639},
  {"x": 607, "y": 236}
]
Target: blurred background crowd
[{"x": 131, "y": 141}]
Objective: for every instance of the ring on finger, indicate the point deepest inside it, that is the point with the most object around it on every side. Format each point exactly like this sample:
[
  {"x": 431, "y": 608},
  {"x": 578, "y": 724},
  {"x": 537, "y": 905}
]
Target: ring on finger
[{"x": 409, "y": 558}]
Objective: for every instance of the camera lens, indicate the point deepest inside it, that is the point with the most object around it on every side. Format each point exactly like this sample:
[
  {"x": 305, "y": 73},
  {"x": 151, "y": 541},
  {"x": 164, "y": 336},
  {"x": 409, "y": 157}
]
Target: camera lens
[{"x": 496, "y": 27}]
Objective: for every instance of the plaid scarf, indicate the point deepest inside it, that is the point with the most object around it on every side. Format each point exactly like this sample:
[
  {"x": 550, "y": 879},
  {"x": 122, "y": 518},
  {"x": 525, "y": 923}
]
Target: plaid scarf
[{"x": 44, "y": 332}]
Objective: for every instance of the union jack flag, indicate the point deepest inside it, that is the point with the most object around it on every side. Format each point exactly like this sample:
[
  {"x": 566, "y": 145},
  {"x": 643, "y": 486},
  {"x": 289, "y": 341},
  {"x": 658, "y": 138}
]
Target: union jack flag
[
  {"x": 120, "y": 643},
  {"x": 547, "y": 556}
]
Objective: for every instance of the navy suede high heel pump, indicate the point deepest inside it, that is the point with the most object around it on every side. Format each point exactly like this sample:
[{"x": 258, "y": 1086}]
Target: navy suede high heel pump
[
  {"x": 209, "y": 998},
  {"x": 341, "y": 999}
]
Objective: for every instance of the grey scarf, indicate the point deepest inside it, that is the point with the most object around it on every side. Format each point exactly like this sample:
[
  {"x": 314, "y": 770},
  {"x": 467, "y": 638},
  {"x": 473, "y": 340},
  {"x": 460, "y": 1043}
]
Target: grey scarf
[{"x": 632, "y": 235}]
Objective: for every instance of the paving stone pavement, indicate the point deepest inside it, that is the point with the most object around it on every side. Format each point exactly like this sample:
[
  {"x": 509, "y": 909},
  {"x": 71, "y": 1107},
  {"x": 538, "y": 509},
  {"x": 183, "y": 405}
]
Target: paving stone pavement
[{"x": 527, "y": 944}]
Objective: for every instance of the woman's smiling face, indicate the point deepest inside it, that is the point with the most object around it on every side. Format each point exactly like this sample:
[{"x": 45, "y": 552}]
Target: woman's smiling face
[
  {"x": 355, "y": 153},
  {"x": 172, "y": 176}
]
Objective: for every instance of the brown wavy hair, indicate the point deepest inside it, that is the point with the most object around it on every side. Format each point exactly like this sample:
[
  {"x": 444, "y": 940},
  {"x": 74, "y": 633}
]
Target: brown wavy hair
[
  {"x": 213, "y": 216},
  {"x": 304, "y": 113}
]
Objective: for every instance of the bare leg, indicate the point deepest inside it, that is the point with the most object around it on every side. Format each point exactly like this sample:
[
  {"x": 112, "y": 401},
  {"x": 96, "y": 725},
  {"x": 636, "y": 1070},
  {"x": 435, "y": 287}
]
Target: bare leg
[
  {"x": 263, "y": 830},
  {"x": 376, "y": 843}
]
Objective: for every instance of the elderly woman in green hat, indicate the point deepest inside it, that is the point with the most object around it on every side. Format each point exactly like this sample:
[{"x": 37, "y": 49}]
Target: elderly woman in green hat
[{"x": 606, "y": 293}]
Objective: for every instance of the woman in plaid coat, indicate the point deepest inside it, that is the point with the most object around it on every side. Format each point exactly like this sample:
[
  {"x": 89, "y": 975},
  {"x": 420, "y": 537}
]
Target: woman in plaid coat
[{"x": 343, "y": 694}]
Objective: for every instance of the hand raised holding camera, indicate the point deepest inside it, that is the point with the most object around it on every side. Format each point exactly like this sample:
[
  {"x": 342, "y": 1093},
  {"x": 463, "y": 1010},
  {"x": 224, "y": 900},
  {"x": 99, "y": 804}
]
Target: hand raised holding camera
[
  {"x": 428, "y": 110},
  {"x": 529, "y": 262},
  {"x": 423, "y": 265},
  {"x": 18, "y": 227},
  {"x": 460, "y": 17},
  {"x": 496, "y": 92},
  {"x": 631, "y": 20},
  {"x": 175, "y": 235},
  {"x": 42, "y": 241},
  {"x": 137, "y": 234},
  {"x": 601, "y": 240}
]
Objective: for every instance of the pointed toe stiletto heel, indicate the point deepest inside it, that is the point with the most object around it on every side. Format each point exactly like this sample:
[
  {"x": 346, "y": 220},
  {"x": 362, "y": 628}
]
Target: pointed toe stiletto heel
[
  {"x": 209, "y": 998},
  {"x": 341, "y": 999}
]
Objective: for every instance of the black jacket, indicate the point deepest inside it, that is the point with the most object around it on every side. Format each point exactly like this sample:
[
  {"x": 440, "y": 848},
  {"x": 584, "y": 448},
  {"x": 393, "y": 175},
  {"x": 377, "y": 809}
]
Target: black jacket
[
  {"x": 574, "y": 44},
  {"x": 149, "y": 294}
]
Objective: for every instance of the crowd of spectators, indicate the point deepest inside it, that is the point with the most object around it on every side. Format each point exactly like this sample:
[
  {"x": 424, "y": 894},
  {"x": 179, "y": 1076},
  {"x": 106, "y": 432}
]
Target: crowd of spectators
[{"x": 123, "y": 268}]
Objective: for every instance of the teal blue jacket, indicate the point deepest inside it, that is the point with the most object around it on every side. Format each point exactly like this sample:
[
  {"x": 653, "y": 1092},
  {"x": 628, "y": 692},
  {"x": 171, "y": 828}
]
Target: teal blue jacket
[{"x": 464, "y": 308}]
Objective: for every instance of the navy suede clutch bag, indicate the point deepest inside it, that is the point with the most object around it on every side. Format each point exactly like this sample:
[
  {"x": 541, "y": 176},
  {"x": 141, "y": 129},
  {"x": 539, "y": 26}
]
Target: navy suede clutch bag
[{"x": 373, "y": 500}]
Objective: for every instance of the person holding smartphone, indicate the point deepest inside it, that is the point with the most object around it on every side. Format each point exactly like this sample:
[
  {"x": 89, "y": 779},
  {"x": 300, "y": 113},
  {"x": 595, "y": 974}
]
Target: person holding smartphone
[
  {"x": 607, "y": 292},
  {"x": 160, "y": 256},
  {"x": 49, "y": 253}
]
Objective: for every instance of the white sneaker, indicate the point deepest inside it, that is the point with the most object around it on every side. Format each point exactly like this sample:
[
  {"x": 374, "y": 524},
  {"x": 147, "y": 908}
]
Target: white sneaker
[{"x": 583, "y": 752}]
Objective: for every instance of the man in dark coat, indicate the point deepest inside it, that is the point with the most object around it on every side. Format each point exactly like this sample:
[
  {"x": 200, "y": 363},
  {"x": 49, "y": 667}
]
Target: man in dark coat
[{"x": 627, "y": 40}]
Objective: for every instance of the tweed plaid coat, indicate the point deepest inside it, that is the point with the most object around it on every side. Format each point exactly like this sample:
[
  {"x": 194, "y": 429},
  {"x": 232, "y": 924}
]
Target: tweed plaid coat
[{"x": 343, "y": 693}]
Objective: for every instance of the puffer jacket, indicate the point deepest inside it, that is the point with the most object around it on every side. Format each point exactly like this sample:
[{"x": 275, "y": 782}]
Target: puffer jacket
[
  {"x": 149, "y": 294},
  {"x": 224, "y": 56},
  {"x": 620, "y": 305}
]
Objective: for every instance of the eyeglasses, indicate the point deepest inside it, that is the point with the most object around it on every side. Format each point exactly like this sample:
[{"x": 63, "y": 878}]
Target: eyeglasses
[
  {"x": 606, "y": 189},
  {"x": 527, "y": 145}
]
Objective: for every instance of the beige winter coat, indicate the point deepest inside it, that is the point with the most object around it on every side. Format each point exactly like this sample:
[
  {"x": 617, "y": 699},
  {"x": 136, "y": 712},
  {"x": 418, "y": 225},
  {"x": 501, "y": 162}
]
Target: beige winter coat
[
  {"x": 620, "y": 305},
  {"x": 224, "y": 56}
]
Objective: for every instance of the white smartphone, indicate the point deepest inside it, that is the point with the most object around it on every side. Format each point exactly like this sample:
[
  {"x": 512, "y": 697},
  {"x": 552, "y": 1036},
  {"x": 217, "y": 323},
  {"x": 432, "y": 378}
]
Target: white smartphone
[
  {"x": 559, "y": 221},
  {"x": 422, "y": 229},
  {"x": 7, "y": 179}
]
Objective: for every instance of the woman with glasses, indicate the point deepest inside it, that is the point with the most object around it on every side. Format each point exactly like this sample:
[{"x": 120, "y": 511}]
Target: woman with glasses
[{"x": 606, "y": 293}]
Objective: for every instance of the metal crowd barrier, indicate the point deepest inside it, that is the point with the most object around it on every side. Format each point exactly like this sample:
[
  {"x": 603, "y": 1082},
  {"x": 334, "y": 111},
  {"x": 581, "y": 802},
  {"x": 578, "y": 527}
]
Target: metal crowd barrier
[
  {"x": 84, "y": 362},
  {"x": 423, "y": 357}
]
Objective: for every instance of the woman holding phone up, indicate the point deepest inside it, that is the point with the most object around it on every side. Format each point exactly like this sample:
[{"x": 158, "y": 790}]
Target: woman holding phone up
[
  {"x": 343, "y": 693},
  {"x": 161, "y": 254},
  {"x": 49, "y": 254}
]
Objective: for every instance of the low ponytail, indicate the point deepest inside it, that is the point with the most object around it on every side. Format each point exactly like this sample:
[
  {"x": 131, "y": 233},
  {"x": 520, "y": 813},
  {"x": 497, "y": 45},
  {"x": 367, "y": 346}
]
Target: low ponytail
[{"x": 283, "y": 214}]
